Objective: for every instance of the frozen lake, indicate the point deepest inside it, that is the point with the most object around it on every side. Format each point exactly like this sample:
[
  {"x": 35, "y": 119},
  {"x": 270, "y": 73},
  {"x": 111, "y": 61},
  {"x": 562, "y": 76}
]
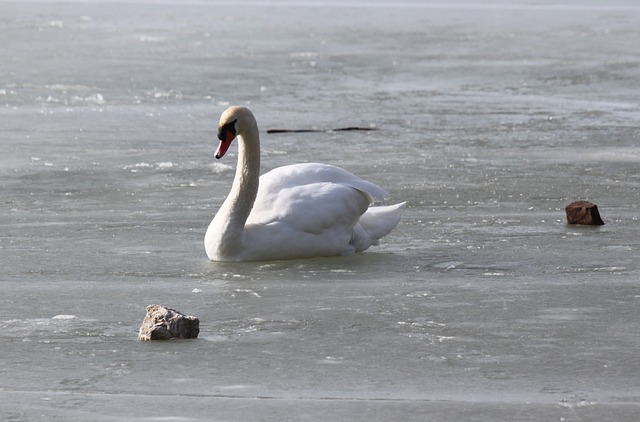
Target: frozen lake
[{"x": 483, "y": 305}]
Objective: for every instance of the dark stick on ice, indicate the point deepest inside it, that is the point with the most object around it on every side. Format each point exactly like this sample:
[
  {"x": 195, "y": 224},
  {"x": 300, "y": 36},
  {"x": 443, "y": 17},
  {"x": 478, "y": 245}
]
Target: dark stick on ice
[{"x": 340, "y": 129}]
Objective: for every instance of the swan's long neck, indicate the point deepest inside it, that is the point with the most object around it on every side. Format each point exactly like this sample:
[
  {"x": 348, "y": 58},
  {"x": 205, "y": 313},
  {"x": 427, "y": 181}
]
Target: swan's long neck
[
  {"x": 245, "y": 183},
  {"x": 230, "y": 220}
]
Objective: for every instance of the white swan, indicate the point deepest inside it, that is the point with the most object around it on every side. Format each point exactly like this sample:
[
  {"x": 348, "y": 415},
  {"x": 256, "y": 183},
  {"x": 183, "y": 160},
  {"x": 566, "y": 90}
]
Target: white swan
[{"x": 295, "y": 211}]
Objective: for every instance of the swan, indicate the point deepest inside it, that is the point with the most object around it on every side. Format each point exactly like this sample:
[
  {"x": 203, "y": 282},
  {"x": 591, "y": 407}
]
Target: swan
[{"x": 295, "y": 211}]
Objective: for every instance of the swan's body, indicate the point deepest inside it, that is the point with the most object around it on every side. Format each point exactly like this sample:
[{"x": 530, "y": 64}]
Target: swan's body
[{"x": 296, "y": 211}]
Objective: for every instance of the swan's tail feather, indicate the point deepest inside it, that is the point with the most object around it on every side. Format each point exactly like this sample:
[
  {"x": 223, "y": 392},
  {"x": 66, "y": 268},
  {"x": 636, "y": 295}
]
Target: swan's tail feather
[{"x": 378, "y": 222}]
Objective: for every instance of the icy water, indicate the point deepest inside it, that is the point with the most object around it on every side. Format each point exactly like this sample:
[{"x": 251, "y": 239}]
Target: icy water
[{"x": 483, "y": 305}]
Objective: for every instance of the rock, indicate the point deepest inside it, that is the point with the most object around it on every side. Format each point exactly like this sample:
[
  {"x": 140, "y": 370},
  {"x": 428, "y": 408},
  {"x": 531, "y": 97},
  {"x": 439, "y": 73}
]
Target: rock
[
  {"x": 583, "y": 212},
  {"x": 165, "y": 323}
]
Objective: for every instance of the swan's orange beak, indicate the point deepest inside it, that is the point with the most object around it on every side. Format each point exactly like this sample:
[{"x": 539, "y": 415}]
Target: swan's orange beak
[{"x": 226, "y": 136}]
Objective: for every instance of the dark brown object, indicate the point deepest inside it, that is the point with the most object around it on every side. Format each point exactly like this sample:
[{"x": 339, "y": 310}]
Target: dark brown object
[
  {"x": 162, "y": 323},
  {"x": 583, "y": 212}
]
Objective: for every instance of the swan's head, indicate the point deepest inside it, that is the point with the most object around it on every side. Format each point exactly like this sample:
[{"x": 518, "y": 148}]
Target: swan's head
[{"x": 235, "y": 121}]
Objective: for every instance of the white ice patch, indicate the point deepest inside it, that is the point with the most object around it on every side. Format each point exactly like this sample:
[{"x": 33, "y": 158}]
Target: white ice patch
[
  {"x": 134, "y": 168},
  {"x": 450, "y": 265},
  {"x": 64, "y": 316},
  {"x": 96, "y": 98},
  {"x": 220, "y": 168},
  {"x": 150, "y": 38}
]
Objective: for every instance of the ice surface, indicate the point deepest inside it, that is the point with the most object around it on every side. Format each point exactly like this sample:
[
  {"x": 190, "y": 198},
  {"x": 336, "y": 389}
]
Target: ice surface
[{"x": 481, "y": 305}]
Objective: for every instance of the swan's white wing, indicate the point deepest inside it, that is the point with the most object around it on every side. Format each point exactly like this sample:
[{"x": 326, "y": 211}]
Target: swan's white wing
[
  {"x": 311, "y": 208},
  {"x": 305, "y": 174},
  {"x": 310, "y": 197},
  {"x": 316, "y": 219}
]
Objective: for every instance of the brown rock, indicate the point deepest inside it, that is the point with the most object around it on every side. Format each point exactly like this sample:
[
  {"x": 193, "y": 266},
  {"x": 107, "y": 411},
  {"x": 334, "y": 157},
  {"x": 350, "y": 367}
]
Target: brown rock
[
  {"x": 583, "y": 212},
  {"x": 165, "y": 323}
]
